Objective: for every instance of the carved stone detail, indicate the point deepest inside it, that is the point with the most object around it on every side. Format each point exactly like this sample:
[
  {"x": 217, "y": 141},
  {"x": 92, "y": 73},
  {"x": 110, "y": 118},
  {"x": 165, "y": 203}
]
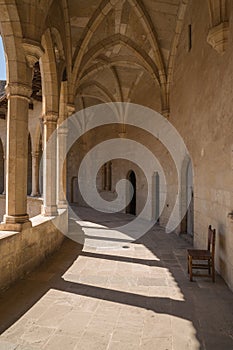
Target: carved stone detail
[
  {"x": 218, "y": 37},
  {"x": 18, "y": 90},
  {"x": 50, "y": 117},
  {"x": 33, "y": 51}
]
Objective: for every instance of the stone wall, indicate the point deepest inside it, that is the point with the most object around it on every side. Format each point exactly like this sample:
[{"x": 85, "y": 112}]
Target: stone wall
[
  {"x": 201, "y": 110},
  {"x": 22, "y": 251},
  {"x": 120, "y": 169}
]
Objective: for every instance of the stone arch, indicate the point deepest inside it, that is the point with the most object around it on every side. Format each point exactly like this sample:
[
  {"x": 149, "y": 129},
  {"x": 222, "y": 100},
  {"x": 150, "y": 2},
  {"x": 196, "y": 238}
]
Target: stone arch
[
  {"x": 116, "y": 79},
  {"x": 126, "y": 63},
  {"x": 100, "y": 87},
  {"x": 119, "y": 39},
  {"x": 11, "y": 33},
  {"x": 99, "y": 15},
  {"x": 49, "y": 75},
  {"x": 147, "y": 24},
  {"x": 174, "y": 48},
  {"x": 217, "y": 11},
  {"x": 57, "y": 45},
  {"x": 87, "y": 95}
]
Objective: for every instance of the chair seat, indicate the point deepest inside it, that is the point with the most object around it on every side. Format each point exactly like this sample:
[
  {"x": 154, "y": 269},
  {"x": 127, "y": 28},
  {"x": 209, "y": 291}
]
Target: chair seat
[{"x": 199, "y": 254}]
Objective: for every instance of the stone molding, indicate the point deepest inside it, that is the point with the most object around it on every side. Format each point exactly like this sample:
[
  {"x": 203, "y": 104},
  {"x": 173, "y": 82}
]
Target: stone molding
[
  {"x": 50, "y": 117},
  {"x": 33, "y": 51},
  {"x": 19, "y": 90},
  {"x": 35, "y": 154},
  {"x": 218, "y": 37}
]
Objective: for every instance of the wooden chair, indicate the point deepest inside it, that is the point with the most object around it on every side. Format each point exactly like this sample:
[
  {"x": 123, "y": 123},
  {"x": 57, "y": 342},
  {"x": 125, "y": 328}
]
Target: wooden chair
[{"x": 203, "y": 255}]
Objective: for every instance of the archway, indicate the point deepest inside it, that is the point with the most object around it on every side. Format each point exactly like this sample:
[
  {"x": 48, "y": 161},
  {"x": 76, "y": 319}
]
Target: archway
[
  {"x": 189, "y": 215},
  {"x": 156, "y": 196},
  {"x": 74, "y": 190},
  {"x": 29, "y": 179},
  {"x": 40, "y": 160},
  {"x": 131, "y": 208},
  {"x": 187, "y": 205},
  {"x": 1, "y": 168}
]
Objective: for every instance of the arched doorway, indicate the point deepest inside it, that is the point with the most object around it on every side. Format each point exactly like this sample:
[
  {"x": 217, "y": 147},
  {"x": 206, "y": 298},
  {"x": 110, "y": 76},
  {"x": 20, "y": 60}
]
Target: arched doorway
[
  {"x": 189, "y": 215},
  {"x": 74, "y": 190},
  {"x": 131, "y": 208},
  {"x": 156, "y": 196},
  {"x": 1, "y": 168},
  {"x": 40, "y": 160},
  {"x": 29, "y": 182}
]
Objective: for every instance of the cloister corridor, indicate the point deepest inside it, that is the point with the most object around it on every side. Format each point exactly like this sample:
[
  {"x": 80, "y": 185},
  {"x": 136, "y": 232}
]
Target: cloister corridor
[{"x": 134, "y": 296}]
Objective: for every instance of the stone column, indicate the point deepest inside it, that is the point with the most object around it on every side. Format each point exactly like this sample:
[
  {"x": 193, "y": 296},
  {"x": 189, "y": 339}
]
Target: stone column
[
  {"x": 50, "y": 164},
  {"x": 17, "y": 151},
  {"x": 61, "y": 167},
  {"x": 66, "y": 110},
  {"x": 35, "y": 174},
  {"x": 4, "y": 184}
]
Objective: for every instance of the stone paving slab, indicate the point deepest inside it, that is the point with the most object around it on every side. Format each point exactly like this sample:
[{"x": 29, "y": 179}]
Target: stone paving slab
[{"x": 110, "y": 299}]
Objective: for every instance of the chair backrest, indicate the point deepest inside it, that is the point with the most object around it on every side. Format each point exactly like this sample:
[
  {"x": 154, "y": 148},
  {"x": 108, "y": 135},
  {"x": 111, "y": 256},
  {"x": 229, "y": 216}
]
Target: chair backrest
[{"x": 211, "y": 239}]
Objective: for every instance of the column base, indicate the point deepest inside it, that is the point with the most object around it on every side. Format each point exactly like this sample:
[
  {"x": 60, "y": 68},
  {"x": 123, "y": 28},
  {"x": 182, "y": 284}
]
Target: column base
[
  {"x": 49, "y": 210},
  {"x": 36, "y": 194},
  {"x": 15, "y": 223}
]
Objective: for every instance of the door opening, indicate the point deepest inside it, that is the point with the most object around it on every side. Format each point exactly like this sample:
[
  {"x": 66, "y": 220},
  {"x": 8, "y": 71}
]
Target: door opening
[{"x": 131, "y": 208}]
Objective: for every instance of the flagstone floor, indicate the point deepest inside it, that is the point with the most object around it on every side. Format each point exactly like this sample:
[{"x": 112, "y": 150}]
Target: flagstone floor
[{"x": 122, "y": 296}]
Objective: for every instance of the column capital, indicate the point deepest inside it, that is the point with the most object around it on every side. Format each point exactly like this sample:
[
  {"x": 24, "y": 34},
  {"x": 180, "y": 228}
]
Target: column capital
[
  {"x": 18, "y": 90},
  {"x": 33, "y": 51},
  {"x": 50, "y": 117}
]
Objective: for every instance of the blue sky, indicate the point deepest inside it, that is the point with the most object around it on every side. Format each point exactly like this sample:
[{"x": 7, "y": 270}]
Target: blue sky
[{"x": 2, "y": 62}]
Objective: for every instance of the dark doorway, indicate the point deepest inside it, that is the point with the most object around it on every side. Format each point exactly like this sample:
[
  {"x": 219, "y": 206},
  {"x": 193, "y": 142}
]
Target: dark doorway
[
  {"x": 74, "y": 190},
  {"x": 131, "y": 208}
]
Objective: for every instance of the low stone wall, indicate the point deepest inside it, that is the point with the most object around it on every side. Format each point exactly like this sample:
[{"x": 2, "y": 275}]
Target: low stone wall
[
  {"x": 22, "y": 251},
  {"x": 33, "y": 206}
]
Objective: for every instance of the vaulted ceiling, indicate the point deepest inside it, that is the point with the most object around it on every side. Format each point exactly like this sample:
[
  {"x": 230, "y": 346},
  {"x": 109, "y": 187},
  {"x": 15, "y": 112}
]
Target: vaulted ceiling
[
  {"x": 110, "y": 50},
  {"x": 121, "y": 47}
]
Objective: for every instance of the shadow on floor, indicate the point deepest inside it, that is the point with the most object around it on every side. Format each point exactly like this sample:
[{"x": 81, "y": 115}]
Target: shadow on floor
[{"x": 208, "y": 306}]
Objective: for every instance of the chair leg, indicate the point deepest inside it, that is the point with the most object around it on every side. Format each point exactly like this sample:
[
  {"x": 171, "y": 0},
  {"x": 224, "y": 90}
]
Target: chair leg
[
  {"x": 213, "y": 272},
  {"x": 190, "y": 268},
  {"x": 209, "y": 267},
  {"x": 188, "y": 263}
]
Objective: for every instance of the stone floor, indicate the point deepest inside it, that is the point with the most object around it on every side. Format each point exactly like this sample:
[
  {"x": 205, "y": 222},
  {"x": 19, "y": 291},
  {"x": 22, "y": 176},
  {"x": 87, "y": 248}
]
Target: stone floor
[{"x": 134, "y": 295}]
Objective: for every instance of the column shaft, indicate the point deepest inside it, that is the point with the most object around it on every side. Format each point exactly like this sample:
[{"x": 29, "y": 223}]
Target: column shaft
[
  {"x": 35, "y": 174},
  {"x": 61, "y": 167},
  {"x": 50, "y": 165},
  {"x": 17, "y": 151}
]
